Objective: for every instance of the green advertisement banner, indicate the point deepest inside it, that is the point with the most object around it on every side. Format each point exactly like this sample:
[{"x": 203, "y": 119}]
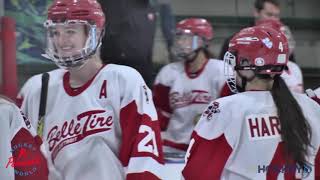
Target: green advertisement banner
[{"x": 29, "y": 16}]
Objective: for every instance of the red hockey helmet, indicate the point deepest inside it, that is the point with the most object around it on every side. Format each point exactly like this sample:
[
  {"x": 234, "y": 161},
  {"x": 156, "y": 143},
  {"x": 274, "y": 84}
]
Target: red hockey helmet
[
  {"x": 259, "y": 48},
  {"x": 86, "y": 10},
  {"x": 277, "y": 25},
  {"x": 68, "y": 14},
  {"x": 191, "y": 35},
  {"x": 196, "y": 26}
]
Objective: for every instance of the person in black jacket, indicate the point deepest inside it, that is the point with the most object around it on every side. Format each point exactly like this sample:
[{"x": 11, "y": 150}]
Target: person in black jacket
[{"x": 129, "y": 35}]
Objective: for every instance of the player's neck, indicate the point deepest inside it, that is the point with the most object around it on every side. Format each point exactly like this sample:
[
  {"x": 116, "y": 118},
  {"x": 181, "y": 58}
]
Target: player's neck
[
  {"x": 259, "y": 84},
  {"x": 79, "y": 77},
  {"x": 198, "y": 63}
]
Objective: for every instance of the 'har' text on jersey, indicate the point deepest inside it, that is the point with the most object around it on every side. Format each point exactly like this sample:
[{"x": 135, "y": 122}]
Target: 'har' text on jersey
[
  {"x": 85, "y": 124},
  {"x": 263, "y": 126}
]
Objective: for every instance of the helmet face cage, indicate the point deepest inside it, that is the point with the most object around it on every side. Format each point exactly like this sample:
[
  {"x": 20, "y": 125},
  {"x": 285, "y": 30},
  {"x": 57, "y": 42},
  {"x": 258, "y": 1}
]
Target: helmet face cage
[
  {"x": 76, "y": 57},
  {"x": 191, "y": 35},
  {"x": 185, "y": 44},
  {"x": 229, "y": 72}
]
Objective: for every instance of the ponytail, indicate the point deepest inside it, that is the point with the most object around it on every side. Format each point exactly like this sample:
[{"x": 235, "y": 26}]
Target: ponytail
[{"x": 295, "y": 130}]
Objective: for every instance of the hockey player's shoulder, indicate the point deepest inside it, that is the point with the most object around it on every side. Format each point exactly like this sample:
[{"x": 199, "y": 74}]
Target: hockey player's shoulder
[
  {"x": 6, "y": 105},
  {"x": 35, "y": 80},
  {"x": 216, "y": 66},
  {"x": 172, "y": 67},
  {"x": 4, "y": 101},
  {"x": 232, "y": 100},
  {"x": 33, "y": 84},
  {"x": 218, "y": 116},
  {"x": 304, "y": 100},
  {"x": 169, "y": 71},
  {"x": 122, "y": 71},
  {"x": 216, "y": 62}
]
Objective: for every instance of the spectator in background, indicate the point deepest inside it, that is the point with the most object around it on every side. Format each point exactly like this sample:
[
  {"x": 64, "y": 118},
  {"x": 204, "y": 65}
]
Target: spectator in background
[
  {"x": 167, "y": 20},
  {"x": 129, "y": 35},
  {"x": 270, "y": 10},
  {"x": 182, "y": 89},
  {"x": 263, "y": 9},
  {"x": 266, "y": 9}
]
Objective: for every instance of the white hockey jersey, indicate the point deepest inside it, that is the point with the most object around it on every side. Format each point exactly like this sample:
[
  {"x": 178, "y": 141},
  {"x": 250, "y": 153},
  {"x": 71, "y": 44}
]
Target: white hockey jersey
[
  {"x": 106, "y": 129},
  {"x": 20, "y": 155},
  {"x": 180, "y": 98},
  {"x": 317, "y": 92},
  {"x": 314, "y": 94},
  {"x": 293, "y": 77},
  {"x": 238, "y": 138}
]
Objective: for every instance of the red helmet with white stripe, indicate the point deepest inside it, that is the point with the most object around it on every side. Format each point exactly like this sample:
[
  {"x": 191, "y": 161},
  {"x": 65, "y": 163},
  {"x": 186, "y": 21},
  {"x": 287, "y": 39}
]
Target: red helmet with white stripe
[
  {"x": 191, "y": 35},
  {"x": 196, "y": 26},
  {"x": 72, "y": 14},
  {"x": 277, "y": 25},
  {"x": 259, "y": 48}
]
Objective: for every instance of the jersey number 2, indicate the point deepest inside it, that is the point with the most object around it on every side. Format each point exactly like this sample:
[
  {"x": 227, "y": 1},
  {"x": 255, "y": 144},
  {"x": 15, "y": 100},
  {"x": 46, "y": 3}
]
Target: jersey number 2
[{"x": 144, "y": 145}]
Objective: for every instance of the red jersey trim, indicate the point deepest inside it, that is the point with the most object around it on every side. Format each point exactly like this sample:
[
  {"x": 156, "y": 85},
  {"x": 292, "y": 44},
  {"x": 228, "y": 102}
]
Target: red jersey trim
[
  {"x": 76, "y": 91},
  {"x": 130, "y": 121},
  {"x": 161, "y": 102},
  {"x": 207, "y": 158},
  {"x": 186, "y": 65},
  {"x": 142, "y": 175}
]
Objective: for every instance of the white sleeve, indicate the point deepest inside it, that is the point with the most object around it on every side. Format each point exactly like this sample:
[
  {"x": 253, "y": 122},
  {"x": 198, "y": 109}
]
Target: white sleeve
[
  {"x": 141, "y": 150},
  {"x": 164, "y": 75}
]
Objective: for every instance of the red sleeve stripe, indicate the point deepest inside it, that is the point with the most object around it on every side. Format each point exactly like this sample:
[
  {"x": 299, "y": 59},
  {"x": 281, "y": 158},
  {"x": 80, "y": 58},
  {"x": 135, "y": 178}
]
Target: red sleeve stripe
[
  {"x": 130, "y": 121},
  {"x": 225, "y": 91},
  {"x": 162, "y": 103},
  {"x": 161, "y": 97},
  {"x": 207, "y": 158}
]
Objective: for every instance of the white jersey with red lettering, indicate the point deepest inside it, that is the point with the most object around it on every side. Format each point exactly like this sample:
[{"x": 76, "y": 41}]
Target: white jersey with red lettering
[
  {"x": 19, "y": 144},
  {"x": 181, "y": 96},
  {"x": 293, "y": 77},
  {"x": 238, "y": 138},
  {"x": 105, "y": 129}
]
